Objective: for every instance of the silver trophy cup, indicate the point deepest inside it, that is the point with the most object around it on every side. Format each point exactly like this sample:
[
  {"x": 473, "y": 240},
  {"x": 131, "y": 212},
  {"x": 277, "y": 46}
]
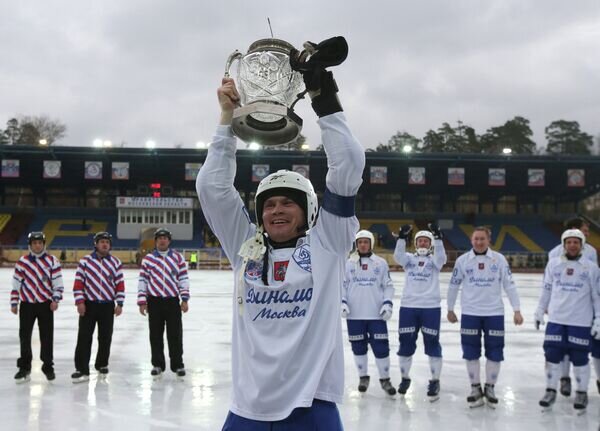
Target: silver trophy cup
[{"x": 268, "y": 88}]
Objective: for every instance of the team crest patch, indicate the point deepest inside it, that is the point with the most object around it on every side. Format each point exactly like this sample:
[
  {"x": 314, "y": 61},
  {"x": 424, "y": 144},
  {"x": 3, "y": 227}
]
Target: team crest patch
[
  {"x": 302, "y": 257},
  {"x": 365, "y": 266},
  {"x": 254, "y": 270},
  {"x": 482, "y": 266},
  {"x": 279, "y": 270},
  {"x": 584, "y": 276},
  {"x": 377, "y": 270},
  {"x": 421, "y": 263},
  {"x": 570, "y": 271},
  {"x": 494, "y": 267}
]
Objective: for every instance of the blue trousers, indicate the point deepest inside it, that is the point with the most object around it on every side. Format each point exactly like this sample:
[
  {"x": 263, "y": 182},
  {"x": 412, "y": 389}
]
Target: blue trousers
[
  {"x": 492, "y": 327},
  {"x": 321, "y": 416},
  {"x": 561, "y": 340},
  {"x": 364, "y": 332},
  {"x": 413, "y": 320}
]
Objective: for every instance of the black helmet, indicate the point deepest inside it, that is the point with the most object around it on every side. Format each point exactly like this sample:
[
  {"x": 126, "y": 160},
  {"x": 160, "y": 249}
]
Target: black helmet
[
  {"x": 161, "y": 231},
  {"x": 102, "y": 235},
  {"x": 36, "y": 236}
]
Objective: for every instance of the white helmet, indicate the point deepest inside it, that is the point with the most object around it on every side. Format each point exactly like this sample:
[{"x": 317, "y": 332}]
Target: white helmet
[
  {"x": 572, "y": 233},
  {"x": 274, "y": 185},
  {"x": 426, "y": 234},
  {"x": 365, "y": 234}
]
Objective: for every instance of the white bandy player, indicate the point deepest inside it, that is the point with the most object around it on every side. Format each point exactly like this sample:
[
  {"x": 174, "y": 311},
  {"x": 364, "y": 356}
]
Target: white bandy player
[
  {"x": 420, "y": 303},
  {"x": 589, "y": 253},
  {"x": 367, "y": 305},
  {"x": 287, "y": 347},
  {"x": 483, "y": 273},
  {"x": 571, "y": 297}
]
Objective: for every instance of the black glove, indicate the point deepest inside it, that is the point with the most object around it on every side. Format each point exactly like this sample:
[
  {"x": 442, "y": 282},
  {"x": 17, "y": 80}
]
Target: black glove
[
  {"x": 435, "y": 230},
  {"x": 318, "y": 81},
  {"x": 404, "y": 231}
]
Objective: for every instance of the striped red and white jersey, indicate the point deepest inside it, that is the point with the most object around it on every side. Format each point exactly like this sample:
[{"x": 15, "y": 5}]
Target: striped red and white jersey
[
  {"x": 99, "y": 279},
  {"x": 37, "y": 279},
  {"x": 163, "y": 275}
]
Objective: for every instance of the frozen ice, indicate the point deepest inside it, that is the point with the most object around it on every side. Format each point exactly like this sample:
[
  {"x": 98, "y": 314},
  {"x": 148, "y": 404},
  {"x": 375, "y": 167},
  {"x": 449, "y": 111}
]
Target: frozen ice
[{"x": 130, "y": 400}]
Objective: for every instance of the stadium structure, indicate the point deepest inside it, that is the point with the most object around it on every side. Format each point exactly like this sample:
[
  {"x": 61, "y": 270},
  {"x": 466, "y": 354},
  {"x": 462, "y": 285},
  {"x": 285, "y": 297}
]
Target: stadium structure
[{"x": 72, "y": 192}]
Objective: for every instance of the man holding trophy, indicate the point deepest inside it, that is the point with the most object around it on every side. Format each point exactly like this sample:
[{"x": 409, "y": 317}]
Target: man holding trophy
[{"x": 287, "y": 351}]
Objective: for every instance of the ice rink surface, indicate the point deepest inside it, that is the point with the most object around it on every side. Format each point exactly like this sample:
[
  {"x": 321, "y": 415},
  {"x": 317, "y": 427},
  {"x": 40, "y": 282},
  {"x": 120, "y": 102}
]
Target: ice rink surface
[{"x": 130, "y": 400}]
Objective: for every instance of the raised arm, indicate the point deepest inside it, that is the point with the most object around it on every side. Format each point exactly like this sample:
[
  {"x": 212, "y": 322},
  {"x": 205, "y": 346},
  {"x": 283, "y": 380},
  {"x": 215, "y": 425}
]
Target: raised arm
[
  {"x": 220, "y": 202},
  {"x": 439, "y": 254},
  {"x": 337, "y": 223}
]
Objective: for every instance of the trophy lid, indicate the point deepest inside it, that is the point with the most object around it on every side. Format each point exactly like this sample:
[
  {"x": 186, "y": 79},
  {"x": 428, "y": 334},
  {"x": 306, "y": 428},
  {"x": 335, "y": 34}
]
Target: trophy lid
[{"x": 270, "y": 44}]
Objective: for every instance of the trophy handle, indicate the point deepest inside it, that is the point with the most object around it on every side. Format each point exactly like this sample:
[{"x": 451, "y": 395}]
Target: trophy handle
[{"x": 235, "y": 55}]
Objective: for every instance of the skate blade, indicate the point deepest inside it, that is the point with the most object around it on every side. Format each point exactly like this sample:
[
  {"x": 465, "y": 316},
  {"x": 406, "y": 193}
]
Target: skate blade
[
  {"x": 81, "y": 380},
  {"x": 580, "y": 412},
  {"x": 23, "y": 380},
  {"x": 157, "y": 378},
  {"x": 433, "y": 398},
  {"x": 546, "y": 409},
  {"x": 476, "y": 404}
]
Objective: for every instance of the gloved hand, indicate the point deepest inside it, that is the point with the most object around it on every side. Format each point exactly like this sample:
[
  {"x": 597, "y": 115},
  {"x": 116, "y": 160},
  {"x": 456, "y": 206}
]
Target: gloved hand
[
  {"x": 386, "y": 311},
  {"x": 538, "y": 318},
  {"x": 404, "y": 231},
  {"x": 596, "y": 328},
  {"x": 435, "y": 230},
  {"x": 345, "y": 310},
  {"x": 319, "y": 82}
]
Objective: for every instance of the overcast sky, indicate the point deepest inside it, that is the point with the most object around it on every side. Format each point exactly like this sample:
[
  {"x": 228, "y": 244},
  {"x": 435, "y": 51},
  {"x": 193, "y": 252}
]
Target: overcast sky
[{"x": 133, "y": 70}]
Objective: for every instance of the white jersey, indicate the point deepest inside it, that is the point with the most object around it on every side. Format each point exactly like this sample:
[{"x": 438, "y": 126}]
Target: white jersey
[
  {"x": 589, "y": 253},
  {"x": 482, "y": 278},
  {"x": 421, "y": 275},
  {"x": 367, "y": 285},
  {"x": 570, "y": 291},
  {"x": 287, "y": 344}
]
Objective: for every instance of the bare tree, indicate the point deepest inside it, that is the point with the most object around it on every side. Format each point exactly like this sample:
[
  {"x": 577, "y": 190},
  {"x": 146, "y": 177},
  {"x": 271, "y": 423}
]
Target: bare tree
[{"x": 48, "y": 129}]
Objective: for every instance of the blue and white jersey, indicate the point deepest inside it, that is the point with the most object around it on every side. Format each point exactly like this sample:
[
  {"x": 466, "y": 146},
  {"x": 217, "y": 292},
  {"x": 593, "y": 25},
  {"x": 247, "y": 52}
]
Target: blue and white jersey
[
  {"x": 367, "y": 286},
  {"x": 163, "y": 275},
  {"x": 36, "y": 279},
  {"x": 570, "y": 292},
  {"x": 482, "y": 278},
  {"x": 287, "y": 344},
  {"x": 421, "y": 275},
  {"x": 589, "y": 253}
]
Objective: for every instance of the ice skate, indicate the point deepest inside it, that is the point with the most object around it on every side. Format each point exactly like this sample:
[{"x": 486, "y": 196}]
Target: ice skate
[
  {"x": 490, "y": 395},
  {"x": 548, "y": 400},
  {"x": 103, "y": 373},
  {"x": 22, "y": 376},
  {"x": 433, "y": 390},
  {"x": 581, "y": 402},
  {"x": 156, "y": 373},
  {"x": 565, "y": 386},
  {"x": 404, "y": 385},
  {"x": 387, "y": 386},
  {"x": 79, "y": 377},
  {"x": 475, "y": 399},
  {"x": 180, "y": 373},
  {"x": 363, "y": 383},
  {"x": 49, "y": 373}
]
